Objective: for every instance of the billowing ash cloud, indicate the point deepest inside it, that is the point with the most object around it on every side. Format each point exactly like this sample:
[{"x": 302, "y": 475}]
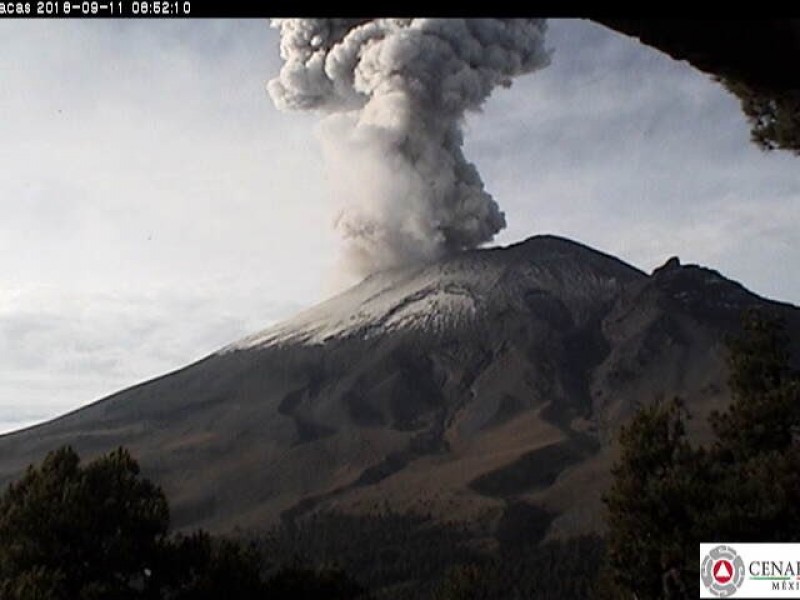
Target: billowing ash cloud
[{"x": 394, "y": 92}]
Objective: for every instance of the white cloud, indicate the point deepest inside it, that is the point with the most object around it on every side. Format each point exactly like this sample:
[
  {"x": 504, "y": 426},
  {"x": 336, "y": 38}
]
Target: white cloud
[
  {"x": 155, "y": 206},
  {"x": 620, "y": 147},
  {"x": 62, "y": 349}
]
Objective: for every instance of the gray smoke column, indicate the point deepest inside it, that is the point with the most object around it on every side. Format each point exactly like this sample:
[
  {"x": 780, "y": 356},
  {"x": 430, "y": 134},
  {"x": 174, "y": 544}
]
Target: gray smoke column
[{"x": 394, "y": 93}]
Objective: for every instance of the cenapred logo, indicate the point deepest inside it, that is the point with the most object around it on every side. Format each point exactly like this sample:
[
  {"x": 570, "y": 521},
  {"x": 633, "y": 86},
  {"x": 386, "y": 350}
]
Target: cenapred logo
[
  {"x": 722, "y": 571},
  {"x": 749, "y": 570}
]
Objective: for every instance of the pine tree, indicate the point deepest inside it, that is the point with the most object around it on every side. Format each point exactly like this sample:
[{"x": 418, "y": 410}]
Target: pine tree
[
  {"x": 100, "y": 531},
  {"x": 657, "y": 481},
  {"x": 80, "y": 532},
  {"x": 755, "y": 460},
  {"x": 668, "y": 495}
]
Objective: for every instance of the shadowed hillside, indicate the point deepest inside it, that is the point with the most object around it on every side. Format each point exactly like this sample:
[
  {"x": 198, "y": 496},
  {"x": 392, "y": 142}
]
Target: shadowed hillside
[{"x": 483, "y": 387}]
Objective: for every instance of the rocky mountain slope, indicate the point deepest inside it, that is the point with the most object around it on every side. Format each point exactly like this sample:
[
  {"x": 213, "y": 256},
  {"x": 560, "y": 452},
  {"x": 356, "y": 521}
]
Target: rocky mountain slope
[{"x": 486, "y": 386}]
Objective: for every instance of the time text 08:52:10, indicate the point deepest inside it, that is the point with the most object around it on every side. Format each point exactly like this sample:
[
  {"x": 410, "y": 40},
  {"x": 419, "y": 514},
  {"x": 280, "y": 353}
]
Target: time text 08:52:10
[{"x": 97, "y": 8}]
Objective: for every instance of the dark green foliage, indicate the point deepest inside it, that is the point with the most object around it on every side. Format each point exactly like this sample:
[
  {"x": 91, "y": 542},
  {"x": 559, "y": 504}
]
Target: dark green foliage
[
  {"x": 80, "y": 532},
  {"x": 668, "y": 496},
  {"x": 412, "y": 557},
  {"x": 557, "y": 570},
  {"x": 301, "y": 582},
  {"x": 554, "y": 570},
  {"x": 393, "y": 555},
  {"x": 756, "y": 460},
  {"x": 765, "y": 413},
  {"x": 774, "y": 115},
  {"x": 99, "y": 532},
  {"x": 464, "y": 582},
  {"x": 651, "y": 505},
  {"x": 199, "y": 567},
  {"x": 205, "y": 568},
  {"x": 37, "y": 583}
]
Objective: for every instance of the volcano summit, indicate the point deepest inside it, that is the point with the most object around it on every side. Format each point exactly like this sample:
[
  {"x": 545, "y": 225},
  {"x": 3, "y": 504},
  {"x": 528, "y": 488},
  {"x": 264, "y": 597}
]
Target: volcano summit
[{"x": 483, "y": 381}]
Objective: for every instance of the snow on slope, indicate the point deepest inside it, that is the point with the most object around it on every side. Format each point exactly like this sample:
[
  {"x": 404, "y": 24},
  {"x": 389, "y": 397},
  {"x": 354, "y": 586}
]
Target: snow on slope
[{"x": 451, "y": 293}]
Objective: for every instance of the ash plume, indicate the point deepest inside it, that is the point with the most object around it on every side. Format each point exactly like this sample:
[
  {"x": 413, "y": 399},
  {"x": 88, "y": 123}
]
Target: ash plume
[{"x": 394, "y": 93}]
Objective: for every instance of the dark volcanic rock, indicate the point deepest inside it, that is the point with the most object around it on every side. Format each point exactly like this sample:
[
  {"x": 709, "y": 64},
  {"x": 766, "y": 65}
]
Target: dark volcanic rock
[{"x": 468, "y": 388}]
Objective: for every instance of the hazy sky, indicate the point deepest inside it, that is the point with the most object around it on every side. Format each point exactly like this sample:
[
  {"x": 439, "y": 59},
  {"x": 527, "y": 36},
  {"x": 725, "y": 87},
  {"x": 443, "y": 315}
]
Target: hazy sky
[{"x": 156, "y": 206}]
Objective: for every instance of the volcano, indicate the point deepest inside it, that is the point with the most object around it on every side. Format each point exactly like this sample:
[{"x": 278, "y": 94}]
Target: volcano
[{"x": 486, "y": 383}]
